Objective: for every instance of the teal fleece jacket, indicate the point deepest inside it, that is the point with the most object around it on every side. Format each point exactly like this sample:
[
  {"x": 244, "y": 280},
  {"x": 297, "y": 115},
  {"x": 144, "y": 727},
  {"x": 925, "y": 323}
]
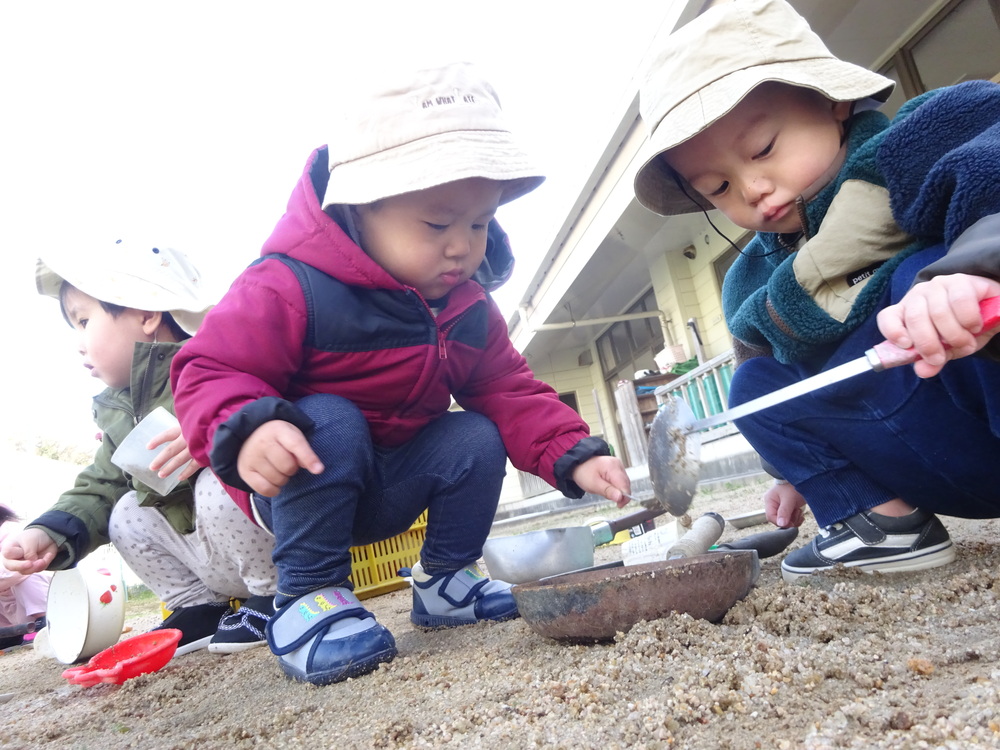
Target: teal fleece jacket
[{"x": 936, "y": 160}]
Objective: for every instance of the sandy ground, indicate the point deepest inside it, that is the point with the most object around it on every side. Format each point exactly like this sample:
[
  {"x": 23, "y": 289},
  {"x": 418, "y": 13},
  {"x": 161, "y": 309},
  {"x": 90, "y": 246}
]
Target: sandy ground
[{"x": 842, "y": 661}]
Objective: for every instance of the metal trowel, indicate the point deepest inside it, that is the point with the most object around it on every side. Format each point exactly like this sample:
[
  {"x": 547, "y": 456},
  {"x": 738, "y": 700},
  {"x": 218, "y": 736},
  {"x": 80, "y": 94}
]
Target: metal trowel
[
  {"x": 674, "y": 444},
  {"x": 880, "y": 357}
]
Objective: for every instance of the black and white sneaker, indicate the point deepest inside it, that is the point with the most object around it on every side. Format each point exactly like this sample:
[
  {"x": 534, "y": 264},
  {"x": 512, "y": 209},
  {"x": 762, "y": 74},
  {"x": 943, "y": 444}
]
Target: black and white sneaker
[
  {"x": 874, "y": 542},
  {"x": 198, "y": 623},
  {"x": 243, "y": 628}
]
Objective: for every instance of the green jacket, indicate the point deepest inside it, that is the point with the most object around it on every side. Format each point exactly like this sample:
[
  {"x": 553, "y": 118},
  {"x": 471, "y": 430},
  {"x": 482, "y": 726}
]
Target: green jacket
[{"x": 78, "y": 522}]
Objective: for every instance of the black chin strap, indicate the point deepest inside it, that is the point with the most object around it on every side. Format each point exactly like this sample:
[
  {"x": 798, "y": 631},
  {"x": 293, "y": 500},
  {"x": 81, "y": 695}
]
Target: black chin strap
[{"x": 680, "y": 185}]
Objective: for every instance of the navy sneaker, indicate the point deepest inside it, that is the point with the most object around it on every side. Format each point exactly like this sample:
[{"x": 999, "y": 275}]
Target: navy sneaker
[
  {"x": 326, "y": 636},
  {"x": 463, "y": 597},
  {"x": 243, "y": 628},
  {"x": 874, "y": 542},
  {"x": 198, "y": 623}
]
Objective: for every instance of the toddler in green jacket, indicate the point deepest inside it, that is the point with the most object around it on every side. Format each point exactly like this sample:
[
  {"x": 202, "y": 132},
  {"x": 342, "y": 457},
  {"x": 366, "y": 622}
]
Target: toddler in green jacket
[{"x": 133, "y": 306}]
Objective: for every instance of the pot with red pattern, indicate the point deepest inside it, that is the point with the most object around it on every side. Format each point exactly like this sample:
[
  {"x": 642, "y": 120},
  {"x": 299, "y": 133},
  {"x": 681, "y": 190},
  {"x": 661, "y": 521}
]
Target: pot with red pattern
[{"x": 85, "y": 612}]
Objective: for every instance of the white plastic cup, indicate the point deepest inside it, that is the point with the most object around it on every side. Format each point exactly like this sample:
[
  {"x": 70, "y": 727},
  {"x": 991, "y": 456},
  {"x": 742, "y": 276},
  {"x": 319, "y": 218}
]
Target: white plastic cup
[{"x": 133, "y": 457}]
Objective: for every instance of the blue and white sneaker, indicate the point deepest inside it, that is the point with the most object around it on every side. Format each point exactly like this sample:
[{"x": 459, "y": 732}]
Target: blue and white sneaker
[
  {"x": 327, "y": 636},
  {"x": 874, "y": 542},
  {"x": 463, "y": 597},
  {"x": 243, "y": 628}
]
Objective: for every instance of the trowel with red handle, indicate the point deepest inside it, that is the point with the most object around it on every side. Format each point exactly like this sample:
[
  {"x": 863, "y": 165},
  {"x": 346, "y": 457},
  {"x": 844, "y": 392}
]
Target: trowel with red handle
[
  {"x": 674, "y": 442},
  {"x": 880, "y": 357}
]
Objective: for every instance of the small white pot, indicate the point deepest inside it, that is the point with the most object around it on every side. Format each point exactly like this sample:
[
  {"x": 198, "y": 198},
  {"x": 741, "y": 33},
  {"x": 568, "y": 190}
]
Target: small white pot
[{"x": 85, "y": 613}]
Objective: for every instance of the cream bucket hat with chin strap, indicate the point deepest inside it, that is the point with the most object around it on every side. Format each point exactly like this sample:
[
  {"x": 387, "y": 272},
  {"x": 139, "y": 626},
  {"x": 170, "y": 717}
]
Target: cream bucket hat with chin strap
[
  {"x": 139, "y": 275},
  {"x": 706, "y": 67}
]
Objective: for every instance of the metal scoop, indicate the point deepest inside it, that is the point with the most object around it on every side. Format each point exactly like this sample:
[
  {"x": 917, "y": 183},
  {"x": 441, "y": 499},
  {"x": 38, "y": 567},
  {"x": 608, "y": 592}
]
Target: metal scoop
[{"x": 674, "y": 456}]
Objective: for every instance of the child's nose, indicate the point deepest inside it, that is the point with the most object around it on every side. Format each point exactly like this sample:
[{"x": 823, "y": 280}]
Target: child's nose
[
  {"x": 755, "y": 188},
  {"x": 459, "y": 245}
]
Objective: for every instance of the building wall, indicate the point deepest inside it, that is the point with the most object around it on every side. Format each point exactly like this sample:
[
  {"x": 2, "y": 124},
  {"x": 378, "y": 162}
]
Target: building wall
[
  {"x": 689, "y": 287},
  {"x": 562, "y": 371}
]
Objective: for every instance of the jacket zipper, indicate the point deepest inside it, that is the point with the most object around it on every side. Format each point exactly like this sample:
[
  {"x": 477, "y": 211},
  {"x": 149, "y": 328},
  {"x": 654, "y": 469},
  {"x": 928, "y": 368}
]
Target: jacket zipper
[
  {"x": 791, "y": 246},
  {"x": 443, "y": 334},
  {"x": 800, "y": 208}
]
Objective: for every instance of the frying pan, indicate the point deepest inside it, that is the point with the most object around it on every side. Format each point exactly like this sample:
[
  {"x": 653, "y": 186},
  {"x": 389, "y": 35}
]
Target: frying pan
[
  {"x": 596, "y": 604},
  {"x": 9, "y": 631},
  {"x": 591, "y": 605}
]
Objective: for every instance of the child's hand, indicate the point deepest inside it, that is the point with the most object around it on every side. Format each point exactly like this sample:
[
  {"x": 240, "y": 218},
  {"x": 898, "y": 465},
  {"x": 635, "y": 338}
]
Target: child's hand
[
  {"x": 28, "y": 551},
  {"x": 783, "y": 506},
  {"x": 175, "y": 455},
  {"x": 604, "y": 475},
  {"x": 938, "y": 313},
  {"x": 273, "y": 454}
]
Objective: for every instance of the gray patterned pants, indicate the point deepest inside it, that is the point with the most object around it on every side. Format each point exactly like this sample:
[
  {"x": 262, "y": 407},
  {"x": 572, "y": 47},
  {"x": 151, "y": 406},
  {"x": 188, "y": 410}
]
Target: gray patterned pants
[{"x": 226, "y": 556}]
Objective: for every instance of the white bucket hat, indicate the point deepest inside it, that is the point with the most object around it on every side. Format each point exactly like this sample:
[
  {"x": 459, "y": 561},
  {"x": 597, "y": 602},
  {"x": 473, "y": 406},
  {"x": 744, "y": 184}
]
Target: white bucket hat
[
  {"x": 432, "y": 127},
  {"x": 706, "y": 67},
  {"x": 140, "y": 276}
]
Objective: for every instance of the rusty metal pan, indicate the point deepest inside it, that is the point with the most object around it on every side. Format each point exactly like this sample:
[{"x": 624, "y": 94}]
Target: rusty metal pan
[{"x": 592, "y": 606}]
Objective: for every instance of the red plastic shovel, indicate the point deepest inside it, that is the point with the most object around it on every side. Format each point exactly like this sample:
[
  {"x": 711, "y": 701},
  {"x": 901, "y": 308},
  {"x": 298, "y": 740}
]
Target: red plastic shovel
[{"x": 141, "y": 654}]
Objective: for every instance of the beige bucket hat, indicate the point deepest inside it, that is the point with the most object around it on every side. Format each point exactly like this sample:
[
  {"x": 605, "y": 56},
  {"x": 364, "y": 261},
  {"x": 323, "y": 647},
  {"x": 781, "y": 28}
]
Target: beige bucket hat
[
  {"x": 139, "y": 275},
  {"x": 706, "y": 67},
  {"x": 425, "y": 129}
]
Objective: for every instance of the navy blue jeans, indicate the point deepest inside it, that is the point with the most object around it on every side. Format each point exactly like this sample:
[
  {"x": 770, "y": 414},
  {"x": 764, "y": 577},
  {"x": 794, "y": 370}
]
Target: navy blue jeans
[
  {"x": 846, "y": 448},
  {"x": 453, "y": 468}
]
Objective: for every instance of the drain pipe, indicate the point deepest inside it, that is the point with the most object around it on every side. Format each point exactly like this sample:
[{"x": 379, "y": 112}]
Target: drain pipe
[
  {"x": 696, "y": 336},
  {"x": 667, "y": 337}
]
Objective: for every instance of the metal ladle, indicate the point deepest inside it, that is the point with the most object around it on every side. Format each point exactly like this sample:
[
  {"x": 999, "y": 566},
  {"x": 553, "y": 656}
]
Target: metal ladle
[{"x": 674, "y": 456}]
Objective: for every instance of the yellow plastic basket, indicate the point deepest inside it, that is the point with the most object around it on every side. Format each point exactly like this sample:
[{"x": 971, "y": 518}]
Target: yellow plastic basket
[{"x": 374, "y": 566}]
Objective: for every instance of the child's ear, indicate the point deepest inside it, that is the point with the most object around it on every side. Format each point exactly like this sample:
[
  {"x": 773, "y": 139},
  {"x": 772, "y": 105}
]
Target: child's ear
[{"x": 151, "y": 321}]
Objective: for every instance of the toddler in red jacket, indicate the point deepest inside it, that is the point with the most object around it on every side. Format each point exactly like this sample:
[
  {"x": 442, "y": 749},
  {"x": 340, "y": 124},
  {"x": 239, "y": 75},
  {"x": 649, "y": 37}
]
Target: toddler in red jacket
[{"x": 320, "y": 388}]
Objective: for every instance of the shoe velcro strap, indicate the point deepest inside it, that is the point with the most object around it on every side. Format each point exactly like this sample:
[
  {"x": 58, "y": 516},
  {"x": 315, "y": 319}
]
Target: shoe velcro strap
[
  {"x": 471, "y": 594},
  {"x": 300, "y": 620},
  {"x": 865, "y": 529}
]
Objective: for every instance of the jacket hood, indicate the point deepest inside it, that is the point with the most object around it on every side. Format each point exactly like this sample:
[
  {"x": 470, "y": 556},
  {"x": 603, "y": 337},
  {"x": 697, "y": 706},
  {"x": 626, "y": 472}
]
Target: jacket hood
[{"x": 309, "y": 234}]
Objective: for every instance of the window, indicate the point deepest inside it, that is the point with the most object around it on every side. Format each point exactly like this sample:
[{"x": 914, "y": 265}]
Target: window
[
  {"x": 722, "y": 264},
  {"x": 961, "y": 43},
  {"x": 629, "y": 345},
  {"x": 570, "y": 400}
]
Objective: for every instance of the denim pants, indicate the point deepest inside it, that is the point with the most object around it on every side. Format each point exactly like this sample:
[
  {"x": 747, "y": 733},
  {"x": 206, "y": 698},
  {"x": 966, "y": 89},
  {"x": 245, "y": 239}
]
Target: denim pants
[
  {"x": 453, "y": 468},
  {"x": 848, "y": 447}
]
